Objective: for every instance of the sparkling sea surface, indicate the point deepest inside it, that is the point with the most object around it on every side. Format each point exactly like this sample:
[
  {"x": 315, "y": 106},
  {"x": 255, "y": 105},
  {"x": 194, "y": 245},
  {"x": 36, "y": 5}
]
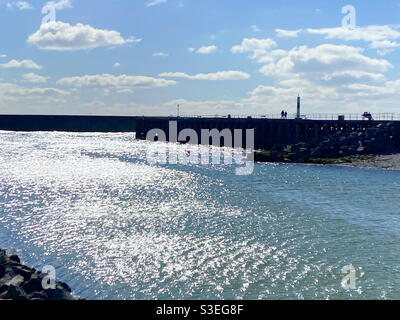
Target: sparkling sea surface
[{"x": 115, "y": 226}]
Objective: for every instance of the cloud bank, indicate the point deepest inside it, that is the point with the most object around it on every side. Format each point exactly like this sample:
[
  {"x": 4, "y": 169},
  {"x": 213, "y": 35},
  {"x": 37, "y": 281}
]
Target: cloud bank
[{"x": 61, "y": 36}]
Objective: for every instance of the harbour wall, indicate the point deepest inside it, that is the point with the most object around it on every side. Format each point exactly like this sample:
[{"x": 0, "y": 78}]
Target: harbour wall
[{"x": 268, "y": 132}]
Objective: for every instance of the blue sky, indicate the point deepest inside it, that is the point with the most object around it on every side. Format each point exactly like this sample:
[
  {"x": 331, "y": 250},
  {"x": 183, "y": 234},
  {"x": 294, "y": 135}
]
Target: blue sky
[{"x": 127, "y": 57}]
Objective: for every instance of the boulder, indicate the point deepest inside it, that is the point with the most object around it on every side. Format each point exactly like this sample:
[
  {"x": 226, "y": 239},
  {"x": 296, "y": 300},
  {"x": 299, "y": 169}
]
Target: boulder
[
  {"x": 33, "y": 285},
  {"x": 23, "y": 271},
  {"x": 16, "y": 281},
  {"x": 361, "y": 150},
  {"x": 3, "y": 288},
  {"x": 65, "y": 286},
  {"x": 290, "y": 157},
  {"x": 13, "y": 293},
  {"x": 288, "y": 149},
  {"x": 14, "y": 258},
  {"x": 302, "y": 145},
  {"x": 263, "y": 156},
  {"x": 344, "y": 150},
  {"x": 316, "y": 153},
  {"x": 38, "y": 296},
  {"x": 3, "y": 257},
  {"x": 58, "y": 294},
  {"x": 2, "y": 271}
]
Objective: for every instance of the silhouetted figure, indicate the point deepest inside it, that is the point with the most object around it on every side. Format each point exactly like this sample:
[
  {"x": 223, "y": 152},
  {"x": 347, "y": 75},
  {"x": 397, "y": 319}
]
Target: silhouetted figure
[
  {"x": 367, "y": 115},
  {"x": 285, "y": 114}
]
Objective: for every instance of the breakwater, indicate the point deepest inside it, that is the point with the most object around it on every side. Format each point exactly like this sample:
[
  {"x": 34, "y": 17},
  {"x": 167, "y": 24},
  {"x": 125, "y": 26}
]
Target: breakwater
[
  {"x": 19, "y": 282},
  {"x": 268, "y": 132},
  {"x": 341, "y": 146}
]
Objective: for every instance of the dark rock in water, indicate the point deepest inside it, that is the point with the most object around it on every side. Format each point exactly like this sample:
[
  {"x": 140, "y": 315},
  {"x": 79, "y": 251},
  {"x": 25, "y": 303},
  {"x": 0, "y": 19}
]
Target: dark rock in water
[
  {"x": 316, "y": 153},
  {"x": 14, "y": 293},
  {"x": 16, "y": 281},
  {"x": 3, "y": 288},
  {"x": 3, "y": 257},
  {"x": 38, "y": 296},
  {"x": 2, "y": 271},
  {"x": 288, "y": 149},
  {"x": 23, "y": 271},
  {"x": 340, "y": 145},
  {"x": 33, "y": 285},
  {"x": 361, "y": 150},
  {"x": 19, "y": 282},
  {"x": 14, "y": 258},
  {"x": 58, "y": 294},
  {"x": 65, "y": 286}
]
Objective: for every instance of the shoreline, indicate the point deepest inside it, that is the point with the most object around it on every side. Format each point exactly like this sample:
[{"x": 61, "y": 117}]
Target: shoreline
[
  {"x": 383, "y": 162},
  {"x": 19, "y": 282},
  {"x": 376, "y": 147}
]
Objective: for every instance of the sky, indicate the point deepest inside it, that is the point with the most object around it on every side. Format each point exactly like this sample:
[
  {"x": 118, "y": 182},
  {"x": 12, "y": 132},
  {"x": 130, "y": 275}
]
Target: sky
[{"x": 144, "y": 57}]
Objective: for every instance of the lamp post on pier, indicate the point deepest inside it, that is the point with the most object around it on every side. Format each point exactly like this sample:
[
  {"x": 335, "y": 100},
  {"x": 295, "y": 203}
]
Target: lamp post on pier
[{"x": 298, "y": 107}]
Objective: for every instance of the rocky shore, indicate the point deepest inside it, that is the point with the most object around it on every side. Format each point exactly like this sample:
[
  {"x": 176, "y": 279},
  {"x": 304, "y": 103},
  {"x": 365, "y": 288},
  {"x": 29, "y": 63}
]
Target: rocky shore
[
  {"x": 19, "y": 282},
  {"x": 363, "y": 148},
  {"x": 389, "y": 162}
]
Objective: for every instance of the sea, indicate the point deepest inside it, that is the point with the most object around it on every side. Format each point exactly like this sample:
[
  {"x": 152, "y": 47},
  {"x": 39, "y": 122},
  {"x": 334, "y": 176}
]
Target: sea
[{"x": 115, "y": 226}]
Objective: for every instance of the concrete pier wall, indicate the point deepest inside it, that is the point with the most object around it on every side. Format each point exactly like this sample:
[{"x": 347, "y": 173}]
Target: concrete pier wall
[{"x": 268, "y": 132}]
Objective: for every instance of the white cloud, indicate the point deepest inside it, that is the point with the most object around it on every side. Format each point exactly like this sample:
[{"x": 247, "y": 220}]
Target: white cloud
[
  {"x": 207, "y": 49},
  {"x": 191, "y": 49},
  {"x": 160, "y": 54},
  {"x": 258, "y": 47},
  {"x": 288, "y": 33},
  {"x": 117, "y": 65},
  {"x": 20, "y": 5},
  {"x": 21, "y": 100},
  {"x": 155, "y": 2},
  {"x": 13, "y": 93},
  {"x": 34, "y": 78},
  {"x": 270, "y": 100},
  {"x": 324, "y": 59},
  {"x": 59, "y": 5},
  {"x": 339, "y": 77},
  {"x": 25, "y": 64},
  {"x": 3, "y": 56},
  {"x": 216, "y": 76},
  {"x": 23, "y": 5},
  {"x": 379, "y": 37},
  {"x": 121, "y": 82},
  {"x": 255, "y": 28},
  {"x": 62, "y": 36}
]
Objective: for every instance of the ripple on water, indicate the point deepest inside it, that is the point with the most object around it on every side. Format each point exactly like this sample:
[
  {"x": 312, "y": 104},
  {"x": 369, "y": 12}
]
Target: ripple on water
[{"x": 116, "y": 227}]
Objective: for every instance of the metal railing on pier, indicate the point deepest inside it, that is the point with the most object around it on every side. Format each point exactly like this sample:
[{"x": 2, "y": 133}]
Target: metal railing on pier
[{"x": 313, "y": 116}]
